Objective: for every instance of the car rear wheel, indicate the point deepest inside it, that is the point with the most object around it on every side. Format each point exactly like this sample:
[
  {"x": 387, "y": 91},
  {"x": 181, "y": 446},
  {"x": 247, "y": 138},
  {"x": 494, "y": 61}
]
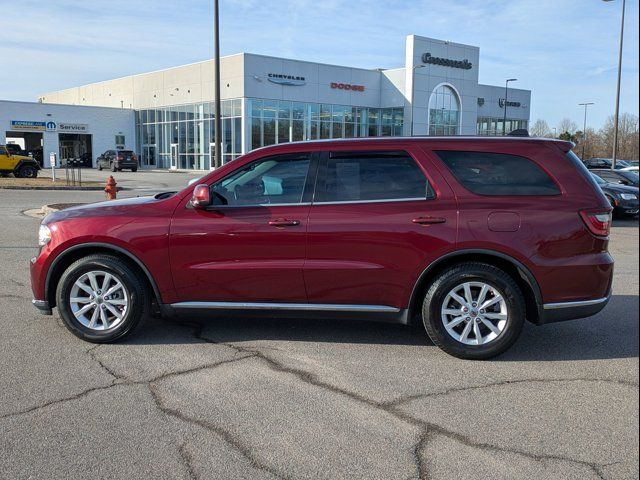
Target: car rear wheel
[
  {"x": 134, "y": 169},
  {"x": 102, "y": 299},
  {"x": 474, "y": 311}
]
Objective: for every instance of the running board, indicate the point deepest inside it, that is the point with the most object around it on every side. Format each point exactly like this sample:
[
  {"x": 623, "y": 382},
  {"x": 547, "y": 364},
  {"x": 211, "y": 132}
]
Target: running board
[{"x": 307, "y": 307}]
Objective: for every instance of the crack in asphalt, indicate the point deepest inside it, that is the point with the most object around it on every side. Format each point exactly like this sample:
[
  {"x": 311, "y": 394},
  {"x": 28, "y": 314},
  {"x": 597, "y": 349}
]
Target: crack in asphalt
[
  {"x": 427, "y": 430},
  {"x": 188, "y": 461},
  {"x": 220, "y": 432},
  {"x": 419, "y": 396}
]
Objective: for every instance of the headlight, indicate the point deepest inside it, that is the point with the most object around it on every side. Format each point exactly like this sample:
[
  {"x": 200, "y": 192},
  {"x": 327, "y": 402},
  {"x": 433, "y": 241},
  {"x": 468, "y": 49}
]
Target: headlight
[
  {"x": 628, "y": 196},
  {"x": 44, "y": 235}
]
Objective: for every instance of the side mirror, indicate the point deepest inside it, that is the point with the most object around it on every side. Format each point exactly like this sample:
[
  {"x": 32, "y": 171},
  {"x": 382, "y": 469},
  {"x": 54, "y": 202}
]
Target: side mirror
[{"x": 201, "y": 196}]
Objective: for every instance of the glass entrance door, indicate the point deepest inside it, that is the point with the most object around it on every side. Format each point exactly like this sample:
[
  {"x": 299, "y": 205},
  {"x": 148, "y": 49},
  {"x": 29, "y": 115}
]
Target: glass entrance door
[{"x": 174, "y": 156}]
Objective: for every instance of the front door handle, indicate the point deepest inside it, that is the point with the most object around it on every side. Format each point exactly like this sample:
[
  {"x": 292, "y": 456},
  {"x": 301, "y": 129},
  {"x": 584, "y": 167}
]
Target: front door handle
[
  {"x": 429, "y": 220},
  {"x": 283, "y": 222}
]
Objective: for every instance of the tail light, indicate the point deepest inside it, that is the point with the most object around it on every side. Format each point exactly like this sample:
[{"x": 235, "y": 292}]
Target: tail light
[
  {"x": 134, "y": 158},
  {"x": 120, "y": 157},
  {"x": 598, "y": 222}
]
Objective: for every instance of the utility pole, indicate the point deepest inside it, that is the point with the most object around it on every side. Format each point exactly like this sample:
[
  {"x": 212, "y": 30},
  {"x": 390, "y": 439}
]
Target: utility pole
[
  {"x": 506, "y": 101},
  {"x": 217, "y": 160},
  {"x": 584, "y": 128}
]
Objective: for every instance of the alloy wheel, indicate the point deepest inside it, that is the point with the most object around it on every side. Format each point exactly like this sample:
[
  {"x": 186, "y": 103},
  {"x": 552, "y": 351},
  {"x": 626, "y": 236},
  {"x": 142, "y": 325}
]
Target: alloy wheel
[
  {"x": 99, "y": 300},
  {"x": 474, "y": 313}
]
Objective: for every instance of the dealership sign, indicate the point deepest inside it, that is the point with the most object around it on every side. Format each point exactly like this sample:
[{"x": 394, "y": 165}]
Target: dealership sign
[
  {"x": 447, "y": 62},
  {"x": 289, "y": 80},
  {"x": 73, "y": 127},
  {"x": 501, "y": 102},
  {"x": 28, "y": 125},
  {"x": 347, "y": 86}
]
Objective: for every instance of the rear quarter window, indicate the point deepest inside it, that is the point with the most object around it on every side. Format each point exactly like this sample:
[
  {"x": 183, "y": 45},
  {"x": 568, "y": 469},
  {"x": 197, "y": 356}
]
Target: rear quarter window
[{"x": 498, "y": 174}]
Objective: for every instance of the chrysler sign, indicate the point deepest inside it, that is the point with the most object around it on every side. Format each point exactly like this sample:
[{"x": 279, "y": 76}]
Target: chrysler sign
[
  {"x": 290, "y": 80},
  {"x": 447, "y": 62}
]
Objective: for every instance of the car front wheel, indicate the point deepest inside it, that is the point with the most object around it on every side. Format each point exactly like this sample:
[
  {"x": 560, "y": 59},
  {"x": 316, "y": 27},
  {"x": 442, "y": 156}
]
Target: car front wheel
[
  {"x": 28, "y": 171},
  {"x": 474, "y": 311},
  {"x": 102, "y": 299}
]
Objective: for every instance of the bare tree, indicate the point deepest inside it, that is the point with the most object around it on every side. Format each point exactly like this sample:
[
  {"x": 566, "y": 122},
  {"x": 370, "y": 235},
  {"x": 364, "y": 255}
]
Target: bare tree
[
  {"x": 567, "y": 125},
  {"x": 628, "y": 137},
  {"x": 540, "y": 129}
]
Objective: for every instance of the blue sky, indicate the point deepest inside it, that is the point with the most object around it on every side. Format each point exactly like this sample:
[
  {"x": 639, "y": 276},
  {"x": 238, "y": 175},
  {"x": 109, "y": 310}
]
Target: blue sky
[{"x": 565, "y": 51}]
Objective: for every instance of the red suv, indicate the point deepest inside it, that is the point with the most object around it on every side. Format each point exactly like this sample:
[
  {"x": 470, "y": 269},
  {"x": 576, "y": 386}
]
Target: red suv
[{"x": 470, "y": 236}]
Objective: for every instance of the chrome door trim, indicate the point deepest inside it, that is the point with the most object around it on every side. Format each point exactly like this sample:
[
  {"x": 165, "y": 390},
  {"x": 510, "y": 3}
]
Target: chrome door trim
[
  {"x": 583, "y": 303},
  {"x": 319, "y": 307}
]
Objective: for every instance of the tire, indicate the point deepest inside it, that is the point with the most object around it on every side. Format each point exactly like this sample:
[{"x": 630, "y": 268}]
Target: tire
[
  {"x": 135, "y": 169},
  {"x": 133, "y": 294},
  {"x": 113, "y": 167},
  {"x": 511, "y": 310},
  {"x": 27, "y": 171},
  {"x": 100, "y": 167}
]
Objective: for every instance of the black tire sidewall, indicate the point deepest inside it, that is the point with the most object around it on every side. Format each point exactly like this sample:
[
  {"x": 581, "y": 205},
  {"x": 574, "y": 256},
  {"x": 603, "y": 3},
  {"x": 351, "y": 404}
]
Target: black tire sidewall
[
  {"x": 138, "y": 298},
  {"x": 492, "y": 276},
  {"x": 28, "y": 171}
]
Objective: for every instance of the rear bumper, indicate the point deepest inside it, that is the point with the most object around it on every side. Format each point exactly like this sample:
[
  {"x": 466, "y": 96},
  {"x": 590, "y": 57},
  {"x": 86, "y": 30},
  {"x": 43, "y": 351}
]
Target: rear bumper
[
  {"x": 126, "y": 164},
  {"x": 560, "y": 312}
]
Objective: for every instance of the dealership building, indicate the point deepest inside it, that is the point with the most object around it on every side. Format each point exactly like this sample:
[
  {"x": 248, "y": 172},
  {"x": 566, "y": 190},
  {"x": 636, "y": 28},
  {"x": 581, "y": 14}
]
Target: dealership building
[{"x": 167, "y": 116}]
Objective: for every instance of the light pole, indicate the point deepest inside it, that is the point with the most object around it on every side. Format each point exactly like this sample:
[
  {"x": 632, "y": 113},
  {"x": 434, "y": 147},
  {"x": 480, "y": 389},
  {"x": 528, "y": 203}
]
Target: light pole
[
  {"x": 506, "y": 99},
  {"x": 413, "y": 89},
  {"x": 584, "y": 128},
  {"x": 614, "y": 158},
  {"x": 217, "y": 161}
]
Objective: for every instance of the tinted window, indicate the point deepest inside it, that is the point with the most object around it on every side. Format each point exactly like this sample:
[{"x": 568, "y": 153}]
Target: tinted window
[
  {"x": 498, "y": 174},
  {"x": 371, "y": 176},
  {"x": 273, "y": 180}
]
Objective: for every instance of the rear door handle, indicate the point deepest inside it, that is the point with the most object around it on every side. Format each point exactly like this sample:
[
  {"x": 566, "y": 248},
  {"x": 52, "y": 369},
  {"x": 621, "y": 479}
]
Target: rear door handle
[
  {"x": 429, "y": 220},
  {"x": 283, "y": 222}
]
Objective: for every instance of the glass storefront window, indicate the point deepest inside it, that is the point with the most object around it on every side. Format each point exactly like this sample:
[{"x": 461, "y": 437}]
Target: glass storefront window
[
  {"x": 444, "y": 109},
  {"x": 192, "y": 127}
]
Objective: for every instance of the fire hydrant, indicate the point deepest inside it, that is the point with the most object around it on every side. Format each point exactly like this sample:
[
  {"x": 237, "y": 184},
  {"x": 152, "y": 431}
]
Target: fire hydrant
[{"x": 110, "y": 189}]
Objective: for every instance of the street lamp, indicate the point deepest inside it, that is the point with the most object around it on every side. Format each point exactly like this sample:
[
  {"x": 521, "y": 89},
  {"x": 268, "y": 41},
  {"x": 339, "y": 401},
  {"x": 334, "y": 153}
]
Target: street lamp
[
  {"x": 614, "y": 158},
  {"x": 584, "y": 128},
  {"x": 217, "y": 161},
  {"x": 413, "y": 89},
  {"x": 506, "y": 98}
]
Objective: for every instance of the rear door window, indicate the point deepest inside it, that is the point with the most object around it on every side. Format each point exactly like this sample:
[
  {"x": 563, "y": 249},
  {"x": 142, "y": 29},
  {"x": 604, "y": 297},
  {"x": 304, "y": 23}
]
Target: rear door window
[
  {"x": 498, "y": 174},
  {"x": 350, "y": 177}
]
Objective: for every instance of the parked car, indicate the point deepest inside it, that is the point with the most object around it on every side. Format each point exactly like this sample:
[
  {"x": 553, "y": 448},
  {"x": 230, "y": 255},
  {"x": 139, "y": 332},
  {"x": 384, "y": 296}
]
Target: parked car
[
  {"x": 468, "y": 236},
  {"x": 86, "y": 160},
  {"x": 117, "y": 160},
  {"x": 631, "y": 169},
  {"x": 623, "y": 198},
  {"x": 622, "y": 177},
  {"x": 605, "y": 163},
  {"x": 21, "y": 166}
]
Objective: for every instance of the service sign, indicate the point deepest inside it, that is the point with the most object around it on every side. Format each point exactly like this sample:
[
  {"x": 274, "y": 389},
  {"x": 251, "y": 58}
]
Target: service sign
[{"x": 73, "y": 127}]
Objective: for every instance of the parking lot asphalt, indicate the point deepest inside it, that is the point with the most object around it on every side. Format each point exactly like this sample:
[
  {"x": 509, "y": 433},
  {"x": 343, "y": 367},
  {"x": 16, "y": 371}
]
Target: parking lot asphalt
[{"x": 249, "y": 398}]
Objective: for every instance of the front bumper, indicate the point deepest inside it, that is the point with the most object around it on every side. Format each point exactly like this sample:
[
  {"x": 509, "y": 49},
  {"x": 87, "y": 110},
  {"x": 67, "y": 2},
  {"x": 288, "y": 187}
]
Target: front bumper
[
  {"x": 628, "y": 207},
  {"x": 42, "y": 306}
]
